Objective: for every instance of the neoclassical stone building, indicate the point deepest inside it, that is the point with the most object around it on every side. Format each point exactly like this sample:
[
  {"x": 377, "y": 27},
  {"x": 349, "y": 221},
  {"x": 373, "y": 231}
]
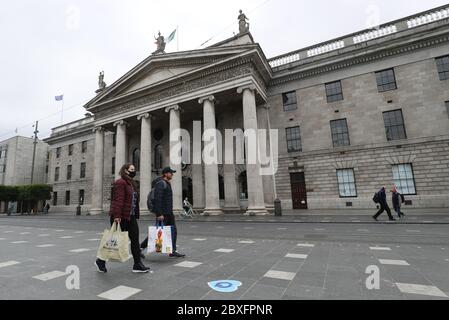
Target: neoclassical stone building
[{"x": 365, "y": 110}]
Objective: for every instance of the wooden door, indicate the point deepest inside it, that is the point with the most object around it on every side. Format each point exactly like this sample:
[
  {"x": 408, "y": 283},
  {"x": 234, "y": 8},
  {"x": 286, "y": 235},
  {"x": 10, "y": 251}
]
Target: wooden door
[{"x": 299, "y": 194}]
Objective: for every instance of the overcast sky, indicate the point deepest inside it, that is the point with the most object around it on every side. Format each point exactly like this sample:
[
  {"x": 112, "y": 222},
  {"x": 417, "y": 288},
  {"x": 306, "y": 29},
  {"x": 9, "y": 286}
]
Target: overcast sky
[{"x": 52, "y": 47}]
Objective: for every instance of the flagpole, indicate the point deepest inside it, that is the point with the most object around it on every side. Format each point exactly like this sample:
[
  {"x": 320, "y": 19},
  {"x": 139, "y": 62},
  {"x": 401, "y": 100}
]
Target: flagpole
[{"x": 62, "y": 112}]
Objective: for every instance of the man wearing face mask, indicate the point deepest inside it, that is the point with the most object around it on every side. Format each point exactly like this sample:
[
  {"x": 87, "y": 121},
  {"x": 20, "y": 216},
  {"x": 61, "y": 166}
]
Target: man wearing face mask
[{"x": 125, "y": 210}]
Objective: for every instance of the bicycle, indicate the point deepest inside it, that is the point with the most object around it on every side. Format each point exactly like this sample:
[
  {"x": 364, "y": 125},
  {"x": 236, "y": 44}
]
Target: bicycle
[{"x": 188, "y": 211}]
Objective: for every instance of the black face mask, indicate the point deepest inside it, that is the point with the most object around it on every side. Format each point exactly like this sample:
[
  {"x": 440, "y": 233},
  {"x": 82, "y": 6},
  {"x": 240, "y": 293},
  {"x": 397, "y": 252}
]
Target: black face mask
[{"x": 132, "y": 174}]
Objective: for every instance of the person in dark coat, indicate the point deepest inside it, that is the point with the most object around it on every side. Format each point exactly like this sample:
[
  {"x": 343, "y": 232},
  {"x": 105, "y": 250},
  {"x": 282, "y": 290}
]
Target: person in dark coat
[
  {"x": 383, "y": 205},
  {"x": 396, "y": 198},
  {"x": 163, "y": 207},
  {"x": 125, "y": 210}
]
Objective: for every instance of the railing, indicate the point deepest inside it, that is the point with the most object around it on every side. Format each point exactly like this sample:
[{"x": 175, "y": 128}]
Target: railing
[
  {"x": 363, "y": 36},
  {"x": 428, "y": 18},
  {"x": 366, "y": 36},
  {"x": 326, "y": 48},
  {"x": 72, "y": 125}
]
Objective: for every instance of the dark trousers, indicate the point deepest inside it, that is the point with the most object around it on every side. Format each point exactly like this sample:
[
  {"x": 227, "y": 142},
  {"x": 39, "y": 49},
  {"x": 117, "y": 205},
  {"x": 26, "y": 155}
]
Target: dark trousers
[
  {"x": 398, "y": 211},
  {"x": 384, "y": 207},
  {"x": 169, "y": 220},
  {"x": 133, "y": 232}
]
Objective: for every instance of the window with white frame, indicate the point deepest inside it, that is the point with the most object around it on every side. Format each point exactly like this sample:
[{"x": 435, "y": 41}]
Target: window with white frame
[
  {"x": 403, "y": 179},
  {"x": 346, "y": 183}
]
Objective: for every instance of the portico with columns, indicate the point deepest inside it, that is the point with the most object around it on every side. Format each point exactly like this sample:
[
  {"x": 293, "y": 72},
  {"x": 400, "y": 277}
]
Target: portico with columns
[{"x": 221, "y": 87}]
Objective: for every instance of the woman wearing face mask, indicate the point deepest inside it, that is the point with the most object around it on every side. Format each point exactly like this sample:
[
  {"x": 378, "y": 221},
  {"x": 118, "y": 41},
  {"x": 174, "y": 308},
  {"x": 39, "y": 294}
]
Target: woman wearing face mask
[{"x": 125, "y": 210}]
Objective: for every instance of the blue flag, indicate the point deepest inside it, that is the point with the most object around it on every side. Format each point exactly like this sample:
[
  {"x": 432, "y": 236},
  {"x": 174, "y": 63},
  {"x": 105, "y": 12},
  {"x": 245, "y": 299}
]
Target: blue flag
[{"x": 59, "y": 98}]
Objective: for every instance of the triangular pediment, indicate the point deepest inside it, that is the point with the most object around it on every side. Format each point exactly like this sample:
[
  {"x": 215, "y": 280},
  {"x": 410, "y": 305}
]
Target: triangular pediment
[
  {"x": 162, "y": 68},
  {"x": 158, "y": 75}
]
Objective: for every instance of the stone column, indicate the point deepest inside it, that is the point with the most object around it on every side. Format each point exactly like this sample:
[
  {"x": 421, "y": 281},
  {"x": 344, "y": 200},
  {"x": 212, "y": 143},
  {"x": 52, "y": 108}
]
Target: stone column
[
  {"x": 145, "y": 161},
  {"x": 212, "y": 193},
  {"x": 97, "y": 187},
  {"x": 176, "y": 183},
  {"x": 256, "y": 202},
  {"x": 269, "y": 184},
  {"x": 120, "y": 146},
  {"x": 197, "y": 171}
]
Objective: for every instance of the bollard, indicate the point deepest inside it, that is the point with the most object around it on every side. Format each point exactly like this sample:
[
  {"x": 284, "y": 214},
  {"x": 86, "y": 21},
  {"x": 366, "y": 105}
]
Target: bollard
[{"x": 277, "y": 208}]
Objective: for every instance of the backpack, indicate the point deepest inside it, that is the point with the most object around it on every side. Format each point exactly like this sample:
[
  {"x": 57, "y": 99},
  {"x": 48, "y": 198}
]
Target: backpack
[
  {"x": 376, "y": 198},
  {"x": 151, "y": 199}
]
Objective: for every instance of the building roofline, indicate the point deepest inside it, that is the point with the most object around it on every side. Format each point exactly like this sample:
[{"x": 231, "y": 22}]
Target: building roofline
[{"x": 383, "y": 25}]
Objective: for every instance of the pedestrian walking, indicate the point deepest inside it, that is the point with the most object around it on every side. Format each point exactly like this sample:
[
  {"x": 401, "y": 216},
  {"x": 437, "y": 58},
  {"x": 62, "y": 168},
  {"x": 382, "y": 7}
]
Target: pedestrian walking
[
  {"x": 46, "y": 208},
  {"x": 382, "y": 200},
  {"x": 125, "y": 211},
  {"x": 163, "y": 207},
  {"x": 397, "y": 199}
]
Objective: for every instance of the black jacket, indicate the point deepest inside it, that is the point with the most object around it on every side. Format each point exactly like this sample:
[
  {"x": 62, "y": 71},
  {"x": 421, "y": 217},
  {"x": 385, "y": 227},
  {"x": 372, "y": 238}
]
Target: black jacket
[
  {"x": 396, "y": 199},
  {"x": 163, "y": 197},
  {"x": 383, "y": 197}
]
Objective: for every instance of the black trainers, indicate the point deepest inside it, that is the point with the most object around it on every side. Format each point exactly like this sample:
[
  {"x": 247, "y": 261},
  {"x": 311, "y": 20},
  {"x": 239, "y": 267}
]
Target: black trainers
[
  {"x": 176, "y": 255},
  {"x": 101, "y": 266},
  {"x": 374, "y": 218},
  {"x": 140, "y": 268},
  {"x": 393, "y": 219}
]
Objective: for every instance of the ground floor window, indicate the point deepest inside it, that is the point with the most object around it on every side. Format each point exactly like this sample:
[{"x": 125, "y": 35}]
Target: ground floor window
[
  {"x": 346, "y": 183},
  {"x": 81, "y": 198},
  {"x": 67, "y": 198},
  {"x": 403, "y": 179},
  {"x": 55, "y": 198}
]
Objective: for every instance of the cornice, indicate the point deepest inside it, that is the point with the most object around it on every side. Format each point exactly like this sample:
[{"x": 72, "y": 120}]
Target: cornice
[{"x": 360, "y": 60}]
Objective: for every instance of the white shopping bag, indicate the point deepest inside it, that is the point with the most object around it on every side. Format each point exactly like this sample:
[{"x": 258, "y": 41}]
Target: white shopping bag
[
  {"x": 160, "y": 239},
  {"x": 114, "y": 245}
]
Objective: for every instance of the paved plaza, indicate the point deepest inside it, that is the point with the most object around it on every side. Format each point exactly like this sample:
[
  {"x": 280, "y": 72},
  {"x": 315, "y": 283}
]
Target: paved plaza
[{"x": 274, "y": 258}]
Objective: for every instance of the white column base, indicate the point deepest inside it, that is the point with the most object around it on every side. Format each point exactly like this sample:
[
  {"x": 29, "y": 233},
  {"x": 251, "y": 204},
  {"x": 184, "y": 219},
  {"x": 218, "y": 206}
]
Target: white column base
[
  {"x": 212, "y": 212},
  {"x": 256, "y": 212},
  {"x": 96, "y": 212},
  {"x": 145, "y": 212}
]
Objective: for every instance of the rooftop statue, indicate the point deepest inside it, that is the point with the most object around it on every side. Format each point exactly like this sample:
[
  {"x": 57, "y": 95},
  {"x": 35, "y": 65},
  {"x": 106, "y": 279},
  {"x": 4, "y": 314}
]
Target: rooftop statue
[
  {"x": 243, "y": 25},
  {"x": 160, "y": 42}
]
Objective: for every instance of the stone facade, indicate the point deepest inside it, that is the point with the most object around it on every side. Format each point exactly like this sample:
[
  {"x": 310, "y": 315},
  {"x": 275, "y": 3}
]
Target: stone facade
[
  {"x": 231, "y": 85},
  {"x": 16, "y": 158}
]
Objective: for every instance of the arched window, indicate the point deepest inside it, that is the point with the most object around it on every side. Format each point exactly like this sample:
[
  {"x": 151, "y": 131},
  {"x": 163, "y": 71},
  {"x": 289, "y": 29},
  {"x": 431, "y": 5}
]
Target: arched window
[
  {"x": 158, "y": 157},
  {"x": 243, "y": 186},
  {"x": 136, "y": 158},
  {"x": 221, "y": 187}
]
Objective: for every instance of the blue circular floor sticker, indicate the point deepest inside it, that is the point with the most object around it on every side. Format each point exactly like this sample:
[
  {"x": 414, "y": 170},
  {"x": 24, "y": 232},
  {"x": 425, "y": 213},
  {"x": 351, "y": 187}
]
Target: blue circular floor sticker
[{"x": 225, "y": 285}]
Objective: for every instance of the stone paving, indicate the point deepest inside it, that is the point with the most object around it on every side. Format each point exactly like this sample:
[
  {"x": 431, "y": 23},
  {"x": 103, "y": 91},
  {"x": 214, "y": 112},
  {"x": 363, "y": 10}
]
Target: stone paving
[{"x": 272, "y": 261}]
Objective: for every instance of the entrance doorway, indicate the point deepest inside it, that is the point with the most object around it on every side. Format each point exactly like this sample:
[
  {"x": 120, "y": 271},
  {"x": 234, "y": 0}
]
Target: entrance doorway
[
  {"x": 187, "y": 189},
  {"x": 299, "y": 194}
]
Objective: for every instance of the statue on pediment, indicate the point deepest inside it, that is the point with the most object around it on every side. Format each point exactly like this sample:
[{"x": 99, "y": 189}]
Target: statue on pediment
[
  {"x": 101, "y": 83},
  {"x": 243, "y": 25},
  {"x": 160, "y": 43}
]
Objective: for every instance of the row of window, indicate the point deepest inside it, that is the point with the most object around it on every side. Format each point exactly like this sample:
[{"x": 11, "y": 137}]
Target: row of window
[
  {"x": 394, "y": 129},
  {"x": 70, "y": 149},
  {"x": 69, "y": 171},
  {"x": 402, "y": 177},
  {"x": 386, "y": 81},
  {"x": 3, "y": 152},
  {"x": 2, "y": 168},
  {"x": 67, "y": 198}
]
